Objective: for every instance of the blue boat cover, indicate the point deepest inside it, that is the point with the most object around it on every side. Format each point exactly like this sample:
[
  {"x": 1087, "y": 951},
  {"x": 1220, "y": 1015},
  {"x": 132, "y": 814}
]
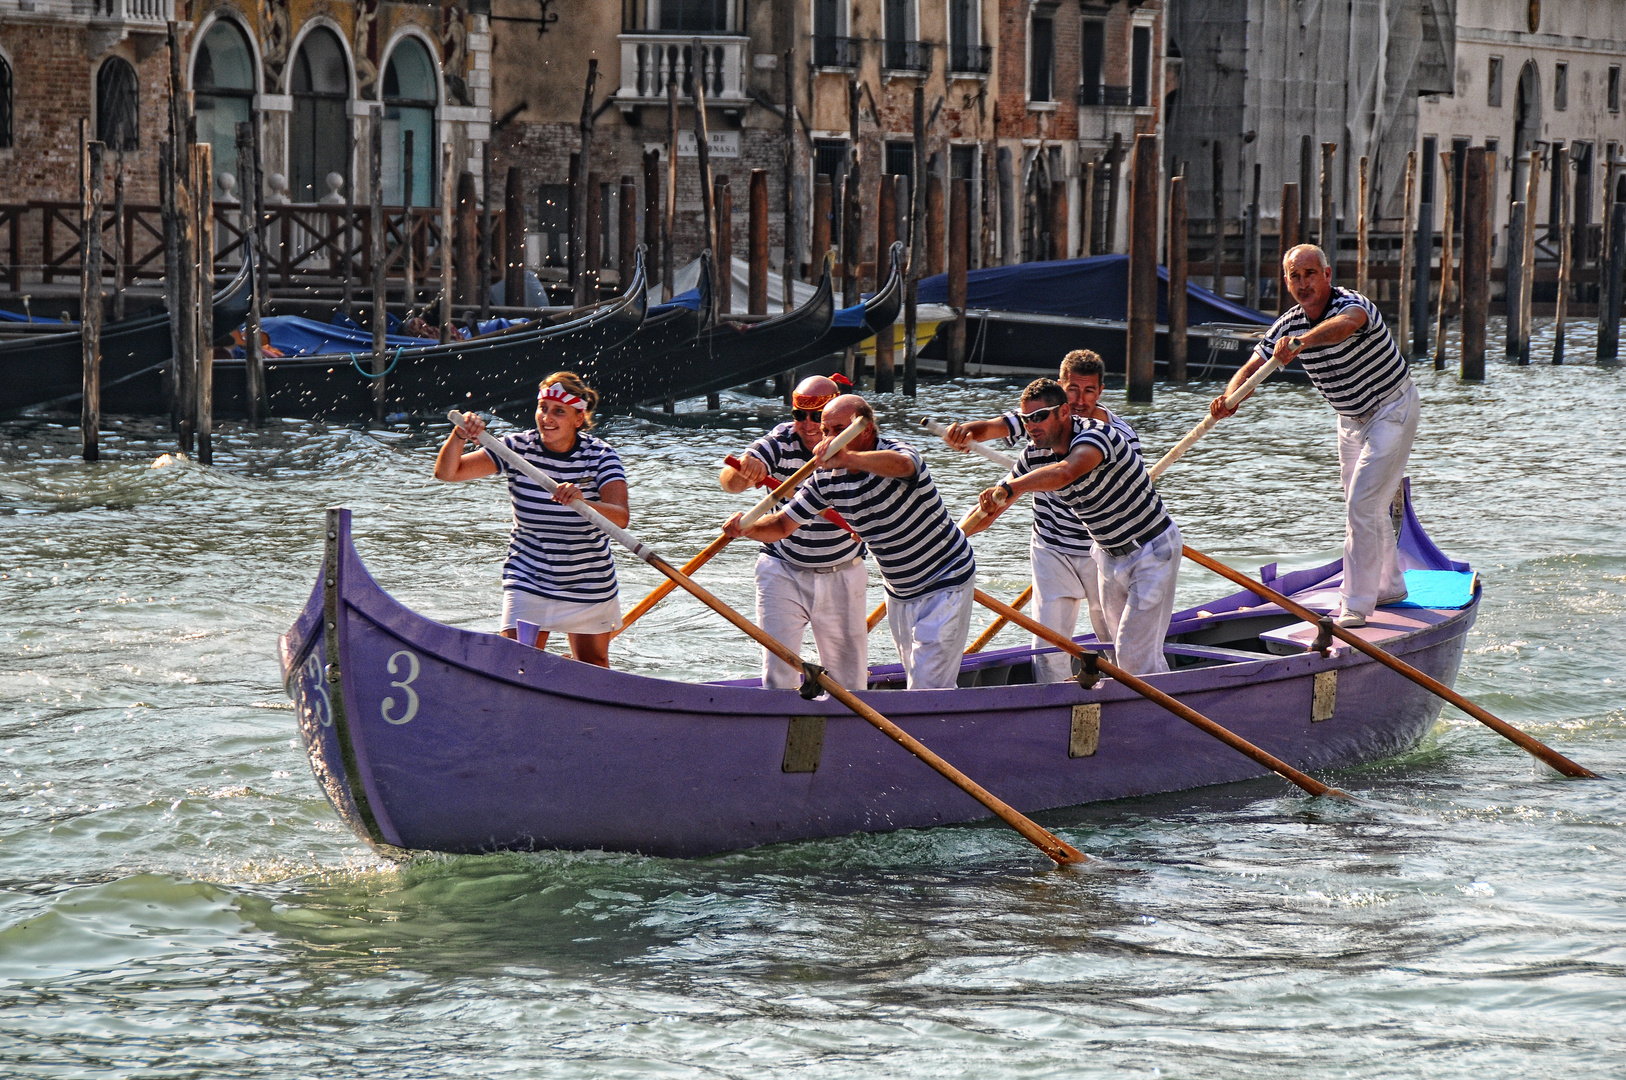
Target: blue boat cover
[
  {"x": 293, "y": 336},
  {"x": 12, "y": 316},
  {"x": 850, "y": 316},
  {"x": 1094, "y": 288},
  {"x": 690, "y": 300},
  {"x": 1442, "y": 589}
]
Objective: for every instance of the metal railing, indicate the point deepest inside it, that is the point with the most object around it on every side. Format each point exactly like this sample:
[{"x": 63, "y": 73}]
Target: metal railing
[
  {"x": 836, "y": 52},
  {"x": 907, "y": 56},
  {"x": 971, "y": 59},
  {"x": 1100, "y": 94}
]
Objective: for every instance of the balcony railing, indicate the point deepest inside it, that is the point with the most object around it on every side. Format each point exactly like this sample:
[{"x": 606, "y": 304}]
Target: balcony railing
[
  {"x": 1103, "y": 95},
  {"x": 907, "y": 56},
  {"x": 650, "y": 61},
  {"x": 138, "y": 11},
  {"x": 836, "y": 52},
  {"x": 972, "y": 59}
]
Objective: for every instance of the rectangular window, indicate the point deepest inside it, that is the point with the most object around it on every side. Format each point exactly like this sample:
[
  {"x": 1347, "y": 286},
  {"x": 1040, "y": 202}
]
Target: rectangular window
[
  {"x": 1493, "y": 83},
  {"x": 1140, "y": 72},
  {"x": 830, "y": 159},
  {"x": 1092, "y": 61},
  {"x": 1561, "y": 86},
  {"x": 1042, "y": 57},
  {"x": 1431, "y": 150},
  {"x": 698, "y": 16},
  {"x": 963, "y": 36},
  {"x": 1614, "y": 89},
  {"x": 962, "y": 163}
]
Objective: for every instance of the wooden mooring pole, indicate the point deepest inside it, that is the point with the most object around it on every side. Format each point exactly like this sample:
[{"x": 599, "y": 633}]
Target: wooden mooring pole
[
  {"x": 1448, "y": 166},
  {"x": 1609, "y": 297},
  {"x": 756, "y": 245},
  {"x": 1527, "y": 274},
  {"x": 1250, "y": 245},
  {"x": 886, "y": 231},
  {"x": 203, "y": 184},
  {"x": 593, "y": 234},
  {"x": 1217, "y": 191},
  {"x": 1476, "y": 228},
  {"x": 448, "y": 200},
  {"x": 1289, "y": 238},
  {"x": 120, "y": 246},
  {"x": 626, "y": 235},
  {"x": 917, "y": 249},
  {"x": 1514, "y": 265},
  {"x": 1363, "y": 235},
  {"x": 248, "y": 183},
  {"x": 1177, "y": 262},
  {"x": 1086, "y": 213},
  {"x": 1561, "y": 177},
  {"x": 794, "y": 198},
  {"x": 959, "y": 258},
  {"x": 375, "y": 256},
  {"x": 466, "y": 240},
  {"x": 1329, "y": 212},
  {"x": 578, "y": 229},
  {"x": 652, "y": 216},
  {"x": 702, "y": 149},
  {"x": 723, "y": 196},
  {"x": 409, "y": 232},
  {"x": 1407, "y": 258},
  {"x": 669, "y": 205},
  {"x": 1142, "y": 333},
  {"x": 513, "y": 227},
  {"x": 488, "y": 252},
  {"x": 90, "y": 292}
]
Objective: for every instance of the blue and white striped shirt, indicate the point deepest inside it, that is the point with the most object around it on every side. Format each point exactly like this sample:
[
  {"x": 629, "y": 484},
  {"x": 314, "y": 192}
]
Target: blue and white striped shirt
[
  {"x": 554, "y": 552},
  {"x": 819, "y": 542},
  {"x": 1115, "y": 500},
  {"x": 1055, "y": 525},
  {"x": 917, "y": 546},
  {"x": 1356, "y": 373}
]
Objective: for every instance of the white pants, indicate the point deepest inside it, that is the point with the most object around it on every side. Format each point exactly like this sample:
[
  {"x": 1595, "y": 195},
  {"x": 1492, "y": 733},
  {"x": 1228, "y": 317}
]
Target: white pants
[
  {"x": 1372, "y": 457},
  {"x": 560, "y": 616},
  {"x": 1137, "y": 591},
  {"x": 791, "y": 599},
  {"x": 1061, "y": 581},
  {"x": 930, "y": 633}
]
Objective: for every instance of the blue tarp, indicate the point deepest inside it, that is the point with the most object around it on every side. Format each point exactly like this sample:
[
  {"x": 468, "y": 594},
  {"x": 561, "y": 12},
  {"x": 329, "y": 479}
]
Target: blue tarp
[
  {"x": 850, "y": 316},
  {"x": 690, "y": 300},
  {"x": 294, "y": 336},
  {"x": 1095, "y": 288},
  {"x": 1440, "y": 589},
  {"x": 12, "y": 316}
]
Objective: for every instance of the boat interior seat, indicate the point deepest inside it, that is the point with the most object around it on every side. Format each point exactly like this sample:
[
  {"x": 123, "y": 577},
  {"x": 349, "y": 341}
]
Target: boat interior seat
[{"x": 1383, "y": 624}]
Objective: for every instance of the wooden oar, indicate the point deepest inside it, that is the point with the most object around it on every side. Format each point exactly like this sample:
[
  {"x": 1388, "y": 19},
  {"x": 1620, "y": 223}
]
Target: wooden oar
[
  {"x": 775, "y": 494},
  {"x": 1434, "y": 686},
  {"x": 1047, "y": 842},
  {"x": 771, "y": 484},
  {"x": 1000, "y": 623},
  {"x": 1153, "y": 694},
  {"x": 1231, "y": 401}
]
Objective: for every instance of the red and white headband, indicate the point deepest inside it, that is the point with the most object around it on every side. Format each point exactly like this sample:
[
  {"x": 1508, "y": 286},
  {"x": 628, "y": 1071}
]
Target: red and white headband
[{"x": 557, "y": 392}]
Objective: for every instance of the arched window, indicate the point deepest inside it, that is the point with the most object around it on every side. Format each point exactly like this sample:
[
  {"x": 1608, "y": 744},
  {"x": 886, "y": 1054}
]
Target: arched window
[
  {"x": 118, "y": 114},
  {"x": 318, "y": 128},
  {"x": 5, "y": 103},
  {"x": 223, "y": 92},
  {"x": 409, "y": 107}
]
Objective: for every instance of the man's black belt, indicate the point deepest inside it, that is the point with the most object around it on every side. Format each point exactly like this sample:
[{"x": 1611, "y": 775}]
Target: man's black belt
[{"x": 1136, "y": 544}]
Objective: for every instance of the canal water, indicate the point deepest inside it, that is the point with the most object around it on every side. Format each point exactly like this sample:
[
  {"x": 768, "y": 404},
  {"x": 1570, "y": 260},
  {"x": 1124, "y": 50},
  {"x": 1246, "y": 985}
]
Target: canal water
[{"x": 178, "y": 899}]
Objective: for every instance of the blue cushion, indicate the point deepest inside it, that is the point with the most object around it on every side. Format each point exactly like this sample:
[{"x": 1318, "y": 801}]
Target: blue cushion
[{"x": 1438, "y": 589}]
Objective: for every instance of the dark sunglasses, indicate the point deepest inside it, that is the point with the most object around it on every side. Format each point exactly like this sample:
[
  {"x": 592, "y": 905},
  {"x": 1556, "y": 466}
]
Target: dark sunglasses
[
  {"x": 807, "y": 415},
  {"x": 1038, "y": 416}
]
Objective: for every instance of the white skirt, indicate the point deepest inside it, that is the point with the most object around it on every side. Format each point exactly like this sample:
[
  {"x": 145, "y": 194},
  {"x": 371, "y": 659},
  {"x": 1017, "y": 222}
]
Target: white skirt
[{"x": 559, "y": 616}]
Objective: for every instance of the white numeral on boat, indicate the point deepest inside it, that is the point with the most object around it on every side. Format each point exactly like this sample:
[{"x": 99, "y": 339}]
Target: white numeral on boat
[
  {"x": 405, "y": 685},
  {"x": 314, "y": 681}
]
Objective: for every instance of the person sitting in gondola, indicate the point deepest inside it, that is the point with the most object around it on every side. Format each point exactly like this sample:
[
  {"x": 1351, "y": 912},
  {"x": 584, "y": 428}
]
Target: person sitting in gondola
[
  {"x": 1065, "y": 574},
  {"x": 559, "y": 573},
  {"x": 1094, "y": 472},
  {"x": 815, "y": 577},
  {"x": 885, "y": 492}
]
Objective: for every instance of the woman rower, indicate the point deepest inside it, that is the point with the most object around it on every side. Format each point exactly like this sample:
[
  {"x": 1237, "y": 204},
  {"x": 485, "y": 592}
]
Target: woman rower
[{"x": 559, "y": 573}]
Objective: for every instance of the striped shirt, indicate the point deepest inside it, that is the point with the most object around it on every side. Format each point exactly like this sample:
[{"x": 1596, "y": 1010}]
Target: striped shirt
[
  {"x": 1356, "y": 373},
  {"x": 1115, "y": 500},
  {"x": 902, "y": 519},
  {"x": 554, "y": 552},
  {"x": 1055, "y": 525},
  {"x": 819, "y": 542}
]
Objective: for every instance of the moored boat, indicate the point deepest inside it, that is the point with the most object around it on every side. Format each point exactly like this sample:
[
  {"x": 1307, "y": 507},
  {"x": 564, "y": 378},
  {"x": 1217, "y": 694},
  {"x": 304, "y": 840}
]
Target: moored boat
[{"x": 429, "y": 737}]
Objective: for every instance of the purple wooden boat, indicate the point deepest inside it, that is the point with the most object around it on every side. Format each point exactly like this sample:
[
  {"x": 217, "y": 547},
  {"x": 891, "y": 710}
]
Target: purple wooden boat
[{"x": 429, "y": 737}]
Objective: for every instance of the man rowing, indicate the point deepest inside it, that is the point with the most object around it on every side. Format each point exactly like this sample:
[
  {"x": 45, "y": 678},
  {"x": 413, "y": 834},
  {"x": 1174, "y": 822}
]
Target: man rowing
[
  {"x": 886, "y": 494},
  {"x": 814, "y": 577},
  {"x": 1339, "y": 337},
  {"x": 1065, "y": 574},
  {"x": 1097, "y": 475}
]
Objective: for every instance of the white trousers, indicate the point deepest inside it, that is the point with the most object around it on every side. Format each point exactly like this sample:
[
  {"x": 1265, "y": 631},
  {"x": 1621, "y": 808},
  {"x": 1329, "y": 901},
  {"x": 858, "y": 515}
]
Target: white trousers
[
  {"x": 930, "y": 633},
  {"x": 1137, "y": 591},
  {"x": 790, "y": 600},
  {"x": 1372, "y": 458},
  {"x": 1061, "y": 581}
]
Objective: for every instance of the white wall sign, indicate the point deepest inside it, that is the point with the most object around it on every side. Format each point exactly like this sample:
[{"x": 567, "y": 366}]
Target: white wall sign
[{"x": 724, "y": 144}]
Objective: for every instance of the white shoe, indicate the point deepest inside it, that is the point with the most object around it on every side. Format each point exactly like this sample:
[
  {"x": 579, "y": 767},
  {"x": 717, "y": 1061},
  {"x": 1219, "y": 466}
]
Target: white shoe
[
  {"x": 1387, "y": 601},
  {"x": 1351, "y": 620}
]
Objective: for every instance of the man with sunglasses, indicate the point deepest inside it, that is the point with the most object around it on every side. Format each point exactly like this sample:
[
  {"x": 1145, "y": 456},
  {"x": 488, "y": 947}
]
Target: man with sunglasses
[
  {"x": 882, "y": 488},
  {"x": 1065, "y": 575},
  {"x": 1092, "y": 470},
  {"x": 815, "y": 577}
]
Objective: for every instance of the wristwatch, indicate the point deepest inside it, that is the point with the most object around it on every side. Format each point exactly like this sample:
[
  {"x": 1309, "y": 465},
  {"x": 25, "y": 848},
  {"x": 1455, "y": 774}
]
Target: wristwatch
[{"x": 1005, "y": 486}]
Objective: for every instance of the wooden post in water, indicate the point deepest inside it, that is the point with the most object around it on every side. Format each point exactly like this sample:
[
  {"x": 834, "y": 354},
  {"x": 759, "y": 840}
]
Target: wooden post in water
[
  {"x": 851, "y": 234},
  {"x": 886, "y": 231},
  {"x": 1407, "y": 239},
  {"x": 120, "y": 247},
  {"x": 593, "y": 234},
  {"x": 375, "y": 256},
  {"x": 795, "y": 212},
  {"x": 1178, "y": 255},
  {"x": 488, "y": 250},
  {"x": 347, "y": 264},
  {"x": 959, "y": 258},
  {"x": 1514, "y": 261},
  {"x": 757, "y": 244},
  {"x": 1363, "y": 236},
  {"x": 626, "y": 232},
  {"x": 652, "y": 216},
  {"x": 1009, "y": 251},
  {"x": 723, "y": 195},
  {"x": 203, "y": 183},
  {"x": 578, "y": 221},
  {"x": 1527, "y": 276},
  {"x": 1306, "y": 187},
  {"x": 1329, "y": 213},
  {"x": 409, "y": 232},
  {"x": 172, "y": 276},
  {"x": 1476, "y": 228},
  {"x": 1609, "y": 296},
  {"x": 448, "y": 200},
  {"x": 936, "y": 255},
  {"x": 1250, "y": 245},
  {"x": 1217, "y": 192},
  {"x": 917, "y": 249},
  {"x": 1287, "y": 239},
  {"x": 90, "y": 293},
  {"x": 513, "y": 227},
  {"x": 1142, "y": 334},
  {"x": 1086, "y": 239},
  {"x": 821, "y": 226},
  {"x": 467, "y": 240},
  {"x": 702, "y": 149},
  {"x": 1448, "y": 166},
  {"x": 248, "y": 175},
  {"x": 1561, "y": 177},
  {"x": 1423, "y": 263}
]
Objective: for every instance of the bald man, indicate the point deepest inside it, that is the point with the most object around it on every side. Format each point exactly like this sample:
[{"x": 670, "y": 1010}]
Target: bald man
[
  {"x": 1339, "y": 337},
  {"x": 815, "y": 577}
]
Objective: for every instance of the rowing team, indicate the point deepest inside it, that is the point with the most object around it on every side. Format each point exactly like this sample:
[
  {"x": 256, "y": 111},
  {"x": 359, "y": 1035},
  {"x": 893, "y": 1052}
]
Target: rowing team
[{"x": 1102, "y": 537}]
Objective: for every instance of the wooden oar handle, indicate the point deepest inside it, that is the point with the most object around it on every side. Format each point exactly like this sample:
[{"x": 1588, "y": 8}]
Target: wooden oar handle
[
  {"x": 794, "y": 480},
  {"x": 1512, "y": 734},
  {"x": 771, "y": 484},
  {"x": 940, "y": 429},
  {"x": 1232, "y": 400}
]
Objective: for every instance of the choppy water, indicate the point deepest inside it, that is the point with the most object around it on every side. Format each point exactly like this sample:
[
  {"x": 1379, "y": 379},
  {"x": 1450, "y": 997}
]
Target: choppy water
[{"x": 177, "y": 898}]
